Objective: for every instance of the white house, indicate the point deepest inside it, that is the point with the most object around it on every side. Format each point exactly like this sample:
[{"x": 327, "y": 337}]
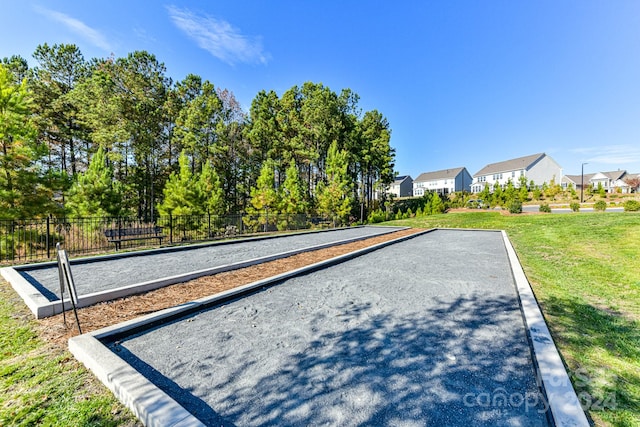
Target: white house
[
  {"x": 610, "y": 181},
  {"x": 402, "y": 186},
  {"x": 539, "y": 168},
  {"x": 442, "y": 182}
]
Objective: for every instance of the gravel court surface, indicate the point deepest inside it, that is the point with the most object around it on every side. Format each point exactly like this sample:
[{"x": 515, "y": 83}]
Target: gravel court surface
[
  {"x": 107, "y": 273},
  {"x": 423, "y": 332}
]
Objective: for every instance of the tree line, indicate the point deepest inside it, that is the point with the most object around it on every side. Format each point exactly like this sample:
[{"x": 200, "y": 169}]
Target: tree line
[{"x": 116, "y": 136}]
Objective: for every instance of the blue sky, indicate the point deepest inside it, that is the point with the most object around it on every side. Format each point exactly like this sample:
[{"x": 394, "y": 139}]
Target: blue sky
[{"x": 462, "y": 83}]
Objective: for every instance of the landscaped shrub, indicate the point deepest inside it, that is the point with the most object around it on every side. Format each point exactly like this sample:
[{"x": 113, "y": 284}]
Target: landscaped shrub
[
  {"x": 631, "y": 206},
  {"x": 515, "y": 207},
  {"x": 575, "y": 206},
  {"x": 600, "y": 205},
  {"x": 545, "y": 208}
]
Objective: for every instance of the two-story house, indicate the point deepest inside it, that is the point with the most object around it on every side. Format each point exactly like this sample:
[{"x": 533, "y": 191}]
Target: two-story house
[
  {"x": 442, "y": 182},
  {"x": 539, "y": 168},
  {"x": 610, "y": 181},
  {"x": 402, "y": 186}
]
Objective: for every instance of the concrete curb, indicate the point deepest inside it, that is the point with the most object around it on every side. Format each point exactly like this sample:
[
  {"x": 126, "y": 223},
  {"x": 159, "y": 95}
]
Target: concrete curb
[
  {"x": 150, "y": 404},
  {"x": 562, "y": 401},
  {"x": 42, "y": 307}
]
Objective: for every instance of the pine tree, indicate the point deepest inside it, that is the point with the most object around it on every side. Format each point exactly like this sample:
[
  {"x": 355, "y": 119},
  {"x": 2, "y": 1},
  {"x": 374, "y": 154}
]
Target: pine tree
[
  {"x": 22, "y": 190},
  {"x": 181, "y": 192},
  {"x": 437, "y": 206},
  {"x": 292, "y": 202},
  {"x": 335, "y": 196},
  {"x": 95, "y": 193},
  {"x": 210, "y": 191},
  {"x": 264, "y": 198}
]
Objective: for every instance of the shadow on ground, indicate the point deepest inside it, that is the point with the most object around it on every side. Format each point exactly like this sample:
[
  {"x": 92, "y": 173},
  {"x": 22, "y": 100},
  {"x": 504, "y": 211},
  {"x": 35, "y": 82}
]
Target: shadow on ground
[{"x": 467, "y": 362}]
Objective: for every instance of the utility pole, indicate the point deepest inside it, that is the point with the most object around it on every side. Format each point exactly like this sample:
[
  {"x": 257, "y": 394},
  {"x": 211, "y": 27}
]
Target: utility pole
[{"x": 582, "y": 183}]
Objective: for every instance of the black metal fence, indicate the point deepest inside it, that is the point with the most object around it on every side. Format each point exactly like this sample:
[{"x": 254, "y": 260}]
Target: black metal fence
[{"x": 30, "y": 240}]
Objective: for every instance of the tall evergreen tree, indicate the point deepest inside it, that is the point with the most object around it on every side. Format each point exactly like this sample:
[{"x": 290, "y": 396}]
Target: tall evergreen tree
[
  {"x": 18, "y": 67},
  {"x": 181, "y": 192},
  {"x": 264, "y": 198},
  {"x": 60, "y": 68},
  {"x": 373, "y": 155},
  {"x": 143, "y": 87},
  {"x": 97, "y": 99},
  {"x": 210, "y": 191},
  {"x": 292, "y": 198},
  {"x": 197, "y": 123},
  {"x": 23, "y": 193},
  {"x": 95, "y": 193},
  {"x": 335, "y": 195},
  {"x": 232, "y": 152}
]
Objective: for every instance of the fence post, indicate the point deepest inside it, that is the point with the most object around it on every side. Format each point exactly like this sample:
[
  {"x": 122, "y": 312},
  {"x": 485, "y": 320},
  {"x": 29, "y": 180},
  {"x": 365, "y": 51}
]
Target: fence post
[
  {"x": 170, "y": 229},
  {"x": 208, "y": 224},
  {"x": 48, "y": 244}
]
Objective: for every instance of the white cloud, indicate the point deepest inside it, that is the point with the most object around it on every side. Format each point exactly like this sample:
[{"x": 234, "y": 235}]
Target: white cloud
[
  {"x": 610, "y": 154},
  {"x": 218, "y": 37},
  {"x": 80, "y": 28}
]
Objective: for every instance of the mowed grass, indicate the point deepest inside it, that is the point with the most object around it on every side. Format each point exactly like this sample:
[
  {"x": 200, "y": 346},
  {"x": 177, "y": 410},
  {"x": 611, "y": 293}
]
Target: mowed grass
[
  {"x": 585, "y": 271},
  {"x": 42, "y": 384},
  {"x": 583, "y": 268}
]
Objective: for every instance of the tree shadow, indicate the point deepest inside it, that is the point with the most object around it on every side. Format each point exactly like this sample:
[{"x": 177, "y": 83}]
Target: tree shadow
[{"x": 465, "y": 362}]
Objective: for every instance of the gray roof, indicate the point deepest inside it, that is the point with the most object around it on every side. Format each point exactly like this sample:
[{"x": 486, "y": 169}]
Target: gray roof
[
  {"x": 442, "y": 174},
  {"x": 400, "y": 178},
  {"x": 577, "y": 179},
  {"x": 615, "y": 175},
  {"x": 511, "y": 165}
]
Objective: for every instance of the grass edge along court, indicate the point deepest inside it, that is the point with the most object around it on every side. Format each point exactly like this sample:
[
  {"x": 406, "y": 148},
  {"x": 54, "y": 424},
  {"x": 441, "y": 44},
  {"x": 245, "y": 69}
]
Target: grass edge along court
[{"x": 582, "y": 267}]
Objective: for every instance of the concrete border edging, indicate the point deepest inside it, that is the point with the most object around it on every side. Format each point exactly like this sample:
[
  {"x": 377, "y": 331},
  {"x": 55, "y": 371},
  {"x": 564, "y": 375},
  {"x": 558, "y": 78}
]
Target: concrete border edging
[
  {"x": 42, "y": 307},
  {"x": 149, "y": 403},
  {"x": 552, "y": 376}
]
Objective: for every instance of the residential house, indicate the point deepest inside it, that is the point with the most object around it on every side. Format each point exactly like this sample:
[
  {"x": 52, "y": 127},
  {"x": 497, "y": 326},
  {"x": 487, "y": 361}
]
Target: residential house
[
  {"x": 539, "y": 168},
  {"x": 576, "y": 181},
  {"x": 402, "y": 186},
  {"x": 610, "y": 181},
  {"x": 442, "y": 182}
]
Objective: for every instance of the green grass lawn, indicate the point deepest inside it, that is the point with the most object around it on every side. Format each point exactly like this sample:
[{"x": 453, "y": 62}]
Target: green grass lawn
[
  {"x": 585, "y": 274},
  {"x": 42, "y": 384},
  {"x": 583, "y": 269}
]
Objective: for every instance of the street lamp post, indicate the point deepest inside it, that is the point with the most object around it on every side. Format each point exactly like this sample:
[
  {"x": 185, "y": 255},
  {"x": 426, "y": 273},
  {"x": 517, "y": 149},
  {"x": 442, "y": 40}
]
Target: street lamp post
[{"x": 582, "y": 183}]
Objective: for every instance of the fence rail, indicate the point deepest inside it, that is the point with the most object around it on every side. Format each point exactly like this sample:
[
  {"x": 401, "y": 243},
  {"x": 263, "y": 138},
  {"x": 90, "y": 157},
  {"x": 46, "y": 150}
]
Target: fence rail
[{"x": 31, "y": 240}]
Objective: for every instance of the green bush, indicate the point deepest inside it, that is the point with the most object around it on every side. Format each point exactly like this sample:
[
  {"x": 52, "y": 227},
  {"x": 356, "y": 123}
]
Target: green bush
[
  {"x": 600, "y": 205},
  {"x": 575, "y": 206},
  {"x": 515, "y": 207},
  {"x": 545, "y": 208},
  {"x": 631, "y": 206}
]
